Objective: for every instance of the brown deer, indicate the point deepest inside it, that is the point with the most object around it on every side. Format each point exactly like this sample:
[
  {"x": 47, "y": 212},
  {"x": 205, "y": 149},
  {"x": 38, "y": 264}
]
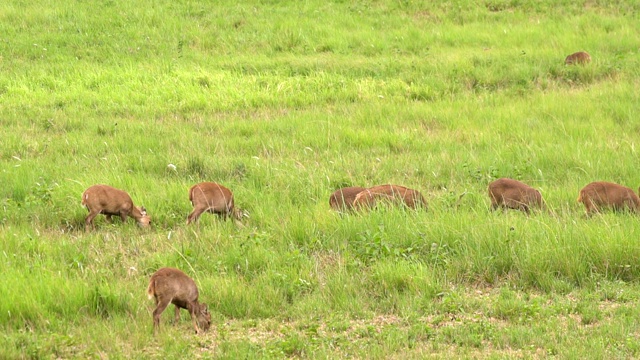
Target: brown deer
[
  {"x": 601, "y": 194},
  {"x": 104, "y": 199},
  {"x": 513, "y": 194},
  {"x": 213, "y": 198},
  {"x": 394, "y": 194},
  {"x": 342, "y": 199},
  {"x": 579, "y": 58},
  {"x": 172, "y": 286}
]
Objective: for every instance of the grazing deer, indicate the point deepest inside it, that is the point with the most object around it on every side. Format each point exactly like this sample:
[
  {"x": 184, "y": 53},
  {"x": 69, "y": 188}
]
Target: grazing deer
[
  {"x": 104, "y": 199},
  {"x": 172, "y": 286},
  {"x": 513, "y": 194},
  {"x": 213, "y": 198},
  {"x": 580, "y": 58},
  {"x": 601, "y": 194},
  {"x": 394, "y": 194},
  {"x": 342, "y": 199}
]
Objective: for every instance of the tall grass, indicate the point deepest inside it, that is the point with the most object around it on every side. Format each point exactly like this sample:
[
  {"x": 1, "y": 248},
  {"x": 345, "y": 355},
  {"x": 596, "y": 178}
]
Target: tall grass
[{"x": 284, "y": 103}]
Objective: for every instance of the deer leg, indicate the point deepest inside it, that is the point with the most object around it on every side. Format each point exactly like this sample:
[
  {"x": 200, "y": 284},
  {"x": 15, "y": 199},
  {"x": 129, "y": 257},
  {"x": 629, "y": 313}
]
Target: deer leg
[
  {"x": 222, "y": 215},
  {"x": 193, "y": 319},
  {"x": 195, "y": 215},
  {"x": 160, "y": 306},
  {"x": 176, "y": 318},
  {"x": 591, "y": 207},
  {"x": 88, "y": 221}
]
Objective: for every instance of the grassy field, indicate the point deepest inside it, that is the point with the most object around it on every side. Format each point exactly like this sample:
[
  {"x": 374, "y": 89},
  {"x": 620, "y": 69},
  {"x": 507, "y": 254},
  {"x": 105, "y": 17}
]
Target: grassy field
[{"x": 284, "y": 102}]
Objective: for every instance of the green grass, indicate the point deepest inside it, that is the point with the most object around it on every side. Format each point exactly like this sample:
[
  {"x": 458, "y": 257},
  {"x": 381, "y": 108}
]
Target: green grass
[{"x": 284, "y": 102}]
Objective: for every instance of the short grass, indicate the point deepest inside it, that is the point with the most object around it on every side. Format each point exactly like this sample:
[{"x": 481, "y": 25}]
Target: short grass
[{"x": 284, "y": 102}]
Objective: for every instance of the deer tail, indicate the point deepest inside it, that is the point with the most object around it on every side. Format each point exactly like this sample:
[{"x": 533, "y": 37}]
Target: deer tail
[{"x": 151, "y": 290}]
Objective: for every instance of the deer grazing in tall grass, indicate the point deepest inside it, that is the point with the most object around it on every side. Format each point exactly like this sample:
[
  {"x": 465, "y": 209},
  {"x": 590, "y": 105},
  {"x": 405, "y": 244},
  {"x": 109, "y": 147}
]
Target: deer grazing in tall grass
[
  {"x": 107, "y": 200},
  {"x": 172, "y": 286}
]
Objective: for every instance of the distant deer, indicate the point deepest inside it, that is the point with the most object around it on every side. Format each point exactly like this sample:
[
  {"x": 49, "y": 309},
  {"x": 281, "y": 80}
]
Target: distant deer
[
  {"x": 342, "y": 199},
  {"x": 394, "y": 194},
  {"x": 172, "y": 286},
  {"x": 213, "y": 198},
  {"x": 104, "y": 199},
  {"x": 580, "y": 58},
  {"x": 601, "y": 194},
  {"x": 513, "y": 194}
]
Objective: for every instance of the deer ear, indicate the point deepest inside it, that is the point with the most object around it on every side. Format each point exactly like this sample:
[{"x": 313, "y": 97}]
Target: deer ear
[
  {"x": 204, "y": 309},
  {"x": 143, "y": 210}
]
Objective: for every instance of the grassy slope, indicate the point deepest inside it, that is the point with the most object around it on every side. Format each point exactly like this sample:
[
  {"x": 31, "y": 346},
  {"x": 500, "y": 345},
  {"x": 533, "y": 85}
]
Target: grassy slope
[{"x": 284, "y": 103}]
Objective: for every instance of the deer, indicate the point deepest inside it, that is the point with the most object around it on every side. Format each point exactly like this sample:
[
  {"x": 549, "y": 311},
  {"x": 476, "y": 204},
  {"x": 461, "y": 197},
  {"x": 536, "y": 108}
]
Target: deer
[
  {"x": 342, "y": 199},
  {"x": 513, "y": 194},
  {"x": 107, "y": 200},
  {"x": 172, "y": 286},
  {"x": 578, "y": 58},
  {"x": 213, "y": 198},
  {"x": 394, "y": 194},
  {"x": 601, "y": 194}
]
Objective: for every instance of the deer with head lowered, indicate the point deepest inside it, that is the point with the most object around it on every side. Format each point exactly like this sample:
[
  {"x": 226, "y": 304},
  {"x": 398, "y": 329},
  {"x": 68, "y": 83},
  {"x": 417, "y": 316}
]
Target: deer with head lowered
[
  {"x": 342, "y": 199},
  {"x": 213, "y": 198},
  {"x": 391, "y": 194},
  {"x": 578, "y": 58},
  {"x": 172, "y": 286},
  {"x": 107, "y": 200},
  {"x": 601, "y": 194},
  {"x": 513, "y": 194}
]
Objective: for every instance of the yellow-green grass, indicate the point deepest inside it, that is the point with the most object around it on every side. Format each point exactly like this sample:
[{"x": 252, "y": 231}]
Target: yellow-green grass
[{"x": 284, "y": 102}]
